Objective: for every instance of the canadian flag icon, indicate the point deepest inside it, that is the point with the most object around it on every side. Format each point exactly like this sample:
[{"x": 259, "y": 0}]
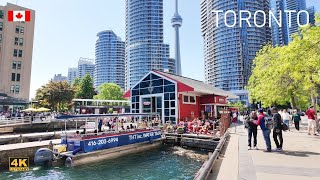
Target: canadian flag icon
[{"x": 19, "y": 16}]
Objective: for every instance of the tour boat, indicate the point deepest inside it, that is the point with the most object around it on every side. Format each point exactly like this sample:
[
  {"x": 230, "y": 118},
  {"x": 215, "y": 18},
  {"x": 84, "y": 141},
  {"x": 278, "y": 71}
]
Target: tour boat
[{"x": 138, "y": 130}]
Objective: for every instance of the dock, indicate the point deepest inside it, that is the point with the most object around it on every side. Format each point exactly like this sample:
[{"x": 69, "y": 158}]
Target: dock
[
  {"x": 21, "y": 150},
  {"x": 201, "y": 141}
]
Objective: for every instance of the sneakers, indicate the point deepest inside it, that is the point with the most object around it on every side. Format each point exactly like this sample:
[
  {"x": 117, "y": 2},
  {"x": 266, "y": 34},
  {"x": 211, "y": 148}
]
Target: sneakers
[
  {"x": 256, "y": 148},
  {"x": 278, "y": 149},
  {"x": 249, "y": 147},
  {"x": 268, "y": 150}
]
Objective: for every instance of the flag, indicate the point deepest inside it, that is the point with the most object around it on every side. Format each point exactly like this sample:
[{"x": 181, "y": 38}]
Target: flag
[{"x": 19, "y": 16}]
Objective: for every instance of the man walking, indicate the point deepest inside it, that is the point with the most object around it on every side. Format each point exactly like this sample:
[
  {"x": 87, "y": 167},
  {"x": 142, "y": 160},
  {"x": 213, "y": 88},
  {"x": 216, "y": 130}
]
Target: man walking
[
  {"x": 265, "y": 131},
  {"x": 311, "y": 120},
  {"x": 277, "y": 130}
]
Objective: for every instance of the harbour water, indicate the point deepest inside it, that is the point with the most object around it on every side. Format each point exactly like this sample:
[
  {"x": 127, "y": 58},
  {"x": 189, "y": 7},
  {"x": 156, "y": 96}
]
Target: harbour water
[{"x": 163, "y": 163}]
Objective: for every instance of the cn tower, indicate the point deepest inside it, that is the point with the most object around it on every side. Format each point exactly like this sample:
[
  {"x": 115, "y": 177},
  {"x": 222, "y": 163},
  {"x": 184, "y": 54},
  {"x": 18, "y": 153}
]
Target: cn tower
[{"x": 176, "y": 24}]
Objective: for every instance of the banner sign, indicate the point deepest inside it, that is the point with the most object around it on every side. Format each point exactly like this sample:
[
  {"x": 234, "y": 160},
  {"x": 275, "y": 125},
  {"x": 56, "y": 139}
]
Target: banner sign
[{"x": 119, "y": 140}]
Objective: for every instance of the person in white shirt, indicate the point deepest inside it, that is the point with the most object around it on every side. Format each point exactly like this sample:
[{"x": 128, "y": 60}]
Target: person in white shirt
[{"x": 286, "y": 118}]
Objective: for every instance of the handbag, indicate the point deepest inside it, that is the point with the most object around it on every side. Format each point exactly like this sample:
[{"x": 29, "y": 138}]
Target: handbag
[{"x": 284, "y": 127}]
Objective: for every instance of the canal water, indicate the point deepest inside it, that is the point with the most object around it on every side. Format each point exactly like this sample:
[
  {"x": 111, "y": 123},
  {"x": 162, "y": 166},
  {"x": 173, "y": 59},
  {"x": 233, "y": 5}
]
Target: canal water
[{"x": 163, "y": 163}]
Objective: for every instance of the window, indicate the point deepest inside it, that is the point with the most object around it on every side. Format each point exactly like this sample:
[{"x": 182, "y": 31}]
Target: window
[
  {"x": 21, "y": 30},
  {"x": 19, "y": 64},
  {"x": 14, "y": 65},
  {"x": 17, "y": 89},
  {"x": 189, "y": 99},
  {"x": 15, "y": 53},
  {"x": 12, "y": 89},
  {"x": 18, "y": 77},
  {"x": 1, "y": 26},
  {"x": 20, "y": 53},
  {"x": 21, "y": 42},
  {"x": 17, "y": 29},
  {"x": 1, "y": 14},
  {"x": 13, "y": 77},
  {"x": 16, "y": 41},
  {"x": 0, "y": 38}
]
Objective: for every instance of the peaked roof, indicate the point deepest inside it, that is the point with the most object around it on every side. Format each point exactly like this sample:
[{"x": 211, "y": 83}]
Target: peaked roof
[{"x": 198, "y": 86}]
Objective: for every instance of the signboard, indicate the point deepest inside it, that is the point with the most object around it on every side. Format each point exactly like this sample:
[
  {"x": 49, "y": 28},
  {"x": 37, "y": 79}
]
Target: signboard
[{"x": 119, "y": 140}]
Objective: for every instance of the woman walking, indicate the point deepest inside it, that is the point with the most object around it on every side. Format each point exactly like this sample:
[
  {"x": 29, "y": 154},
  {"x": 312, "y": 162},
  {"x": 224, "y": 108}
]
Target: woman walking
[
  {"x": 252, "y": 129},
  {"x": 296, "y": 119},
  {"x": 286, "y": 118}
]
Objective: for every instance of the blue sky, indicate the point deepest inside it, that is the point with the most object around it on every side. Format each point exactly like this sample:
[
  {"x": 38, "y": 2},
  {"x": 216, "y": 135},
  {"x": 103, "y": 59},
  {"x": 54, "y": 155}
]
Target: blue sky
[{"x": 66, "y": 30}]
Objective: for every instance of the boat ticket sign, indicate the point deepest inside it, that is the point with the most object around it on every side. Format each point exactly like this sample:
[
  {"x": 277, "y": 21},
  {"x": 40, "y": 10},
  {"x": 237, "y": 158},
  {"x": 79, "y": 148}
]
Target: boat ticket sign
[{"x": 119, "y": 140}]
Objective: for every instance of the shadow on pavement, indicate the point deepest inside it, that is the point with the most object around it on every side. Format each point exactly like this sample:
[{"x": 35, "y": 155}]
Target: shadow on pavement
[{"x": 299, "y": 153}]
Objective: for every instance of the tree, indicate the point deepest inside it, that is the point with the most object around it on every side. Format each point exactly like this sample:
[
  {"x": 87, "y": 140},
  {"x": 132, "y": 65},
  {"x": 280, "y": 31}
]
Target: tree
[
  {"x": 239, "y": 105},
  {"x": 109, "y": 91},
  {"x": 288, "y": 73},
  {"x": 85, "y": 89},
  {"x": 55, "y": 95}
]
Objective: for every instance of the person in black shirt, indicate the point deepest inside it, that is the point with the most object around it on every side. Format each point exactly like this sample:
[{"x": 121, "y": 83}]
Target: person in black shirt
[
  {"x": 252, "y": 129},
  {"x": 277, "y": 130}
]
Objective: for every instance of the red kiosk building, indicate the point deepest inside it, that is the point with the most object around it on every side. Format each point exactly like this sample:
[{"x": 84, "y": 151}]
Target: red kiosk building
[{"x": 175, "y": 97}]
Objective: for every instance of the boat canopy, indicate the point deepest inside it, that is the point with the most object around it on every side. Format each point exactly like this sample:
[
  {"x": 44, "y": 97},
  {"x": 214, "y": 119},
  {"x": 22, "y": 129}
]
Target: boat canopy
[{"x": 64, "y": 117}]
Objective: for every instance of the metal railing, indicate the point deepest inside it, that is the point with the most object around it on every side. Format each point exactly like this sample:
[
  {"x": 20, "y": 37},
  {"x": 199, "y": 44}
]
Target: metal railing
[
  {"x": 24, "y": 120},
  {"x": 207, "y": 166}
]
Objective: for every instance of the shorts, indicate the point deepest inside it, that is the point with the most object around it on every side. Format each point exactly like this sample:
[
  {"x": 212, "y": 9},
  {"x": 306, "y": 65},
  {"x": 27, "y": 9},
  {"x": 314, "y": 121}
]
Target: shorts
[{"x": 311, "y": 123}]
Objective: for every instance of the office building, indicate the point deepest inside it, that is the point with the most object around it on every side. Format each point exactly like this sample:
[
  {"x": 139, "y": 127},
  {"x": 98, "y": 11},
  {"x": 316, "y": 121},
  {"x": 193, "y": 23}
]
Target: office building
[
  {"x": 59, "y": 78},
  {"x": 72, "y": 75},
  {"x": 85, "y": 66},
  {"x": 16, "y": 46},
  {"x": 229, "y": 51},
  {"x": 289, "y": 26},
  {"x": 110, "y": 59},
  {"x": 312, "y": 18},
  {"x": 145, "y": 49}
]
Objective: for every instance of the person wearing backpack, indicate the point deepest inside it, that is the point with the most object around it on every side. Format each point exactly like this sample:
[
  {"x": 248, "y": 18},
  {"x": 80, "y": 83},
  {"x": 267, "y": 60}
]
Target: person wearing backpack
[
  {"x": 286, "y": 118},
  {"x": 277, "y": 130},
  {"x": 252, "y": 129},
  {"x": 296, "y": 119},
  {"x": 265, "y": 131}
]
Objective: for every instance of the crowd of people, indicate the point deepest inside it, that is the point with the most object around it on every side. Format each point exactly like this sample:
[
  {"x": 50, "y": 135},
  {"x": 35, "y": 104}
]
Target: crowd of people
[{"x": 276, "y": 122}]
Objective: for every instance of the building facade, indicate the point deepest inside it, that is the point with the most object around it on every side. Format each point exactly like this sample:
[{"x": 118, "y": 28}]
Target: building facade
[
  {"x": 176, "y": 98},
  {"x": 229, "y": 51},
  {"x": 311, "y": 10},
  {"x": 289, "y": 26},
  {"x": 145, "y": 49},
  {"x": 16, "y": 46},
  {"x": 110, "y": 59},
  {"x": 85, "y": 66},
  {"x": 59, "y": 78},
  {"x": 72, "y": 75}
]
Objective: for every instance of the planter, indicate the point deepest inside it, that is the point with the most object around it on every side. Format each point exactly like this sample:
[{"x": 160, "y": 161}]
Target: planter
[{"x": 180, "y": 130}]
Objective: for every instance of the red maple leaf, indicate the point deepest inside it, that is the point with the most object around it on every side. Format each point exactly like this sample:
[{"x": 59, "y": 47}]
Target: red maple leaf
[{"x": 19, "y": 15}]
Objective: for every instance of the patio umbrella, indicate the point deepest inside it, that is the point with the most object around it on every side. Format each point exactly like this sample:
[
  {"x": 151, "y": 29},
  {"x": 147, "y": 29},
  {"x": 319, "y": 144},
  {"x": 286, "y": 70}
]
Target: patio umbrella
[
  {"x": 42, "y": 109},
  {"x": 29, "y": 110}
]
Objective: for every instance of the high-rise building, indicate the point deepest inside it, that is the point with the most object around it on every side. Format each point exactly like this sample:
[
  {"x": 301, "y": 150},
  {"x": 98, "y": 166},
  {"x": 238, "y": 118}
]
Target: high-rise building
[
  {"x": 297, "y": 5},
  {"x": 72, "y": 74},
  {"x": 16, "y": 46},
  {"x": 229, "y": 51},
  {"x": 281, "y": 35},
  {"x": 176, "y": 24},
  {"x": 110, "y": 59},
  {"x": 59, "y": 78},
  {"x": 85, "y": 66},
  {"x": 145, "y": 49},
  {"x": 312, "y": 19}
]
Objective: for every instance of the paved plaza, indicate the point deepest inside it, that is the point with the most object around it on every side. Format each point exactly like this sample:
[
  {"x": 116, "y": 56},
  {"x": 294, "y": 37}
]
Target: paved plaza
[{"x": 299, "y": 160}]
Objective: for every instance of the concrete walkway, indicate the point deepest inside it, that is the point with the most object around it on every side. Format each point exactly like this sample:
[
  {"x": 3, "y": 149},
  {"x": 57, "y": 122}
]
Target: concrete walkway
[{"x": 299, "y": 160}]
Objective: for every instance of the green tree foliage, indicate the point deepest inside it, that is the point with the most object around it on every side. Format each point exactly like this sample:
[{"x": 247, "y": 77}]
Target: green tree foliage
[
  {"x": 239, "y": 105},
  {"x": 109, "y": 91},
  {"x": 55, "y": 95},
  {"x": 85, "y": 89},
  {"x": 288, "y": 73}
]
